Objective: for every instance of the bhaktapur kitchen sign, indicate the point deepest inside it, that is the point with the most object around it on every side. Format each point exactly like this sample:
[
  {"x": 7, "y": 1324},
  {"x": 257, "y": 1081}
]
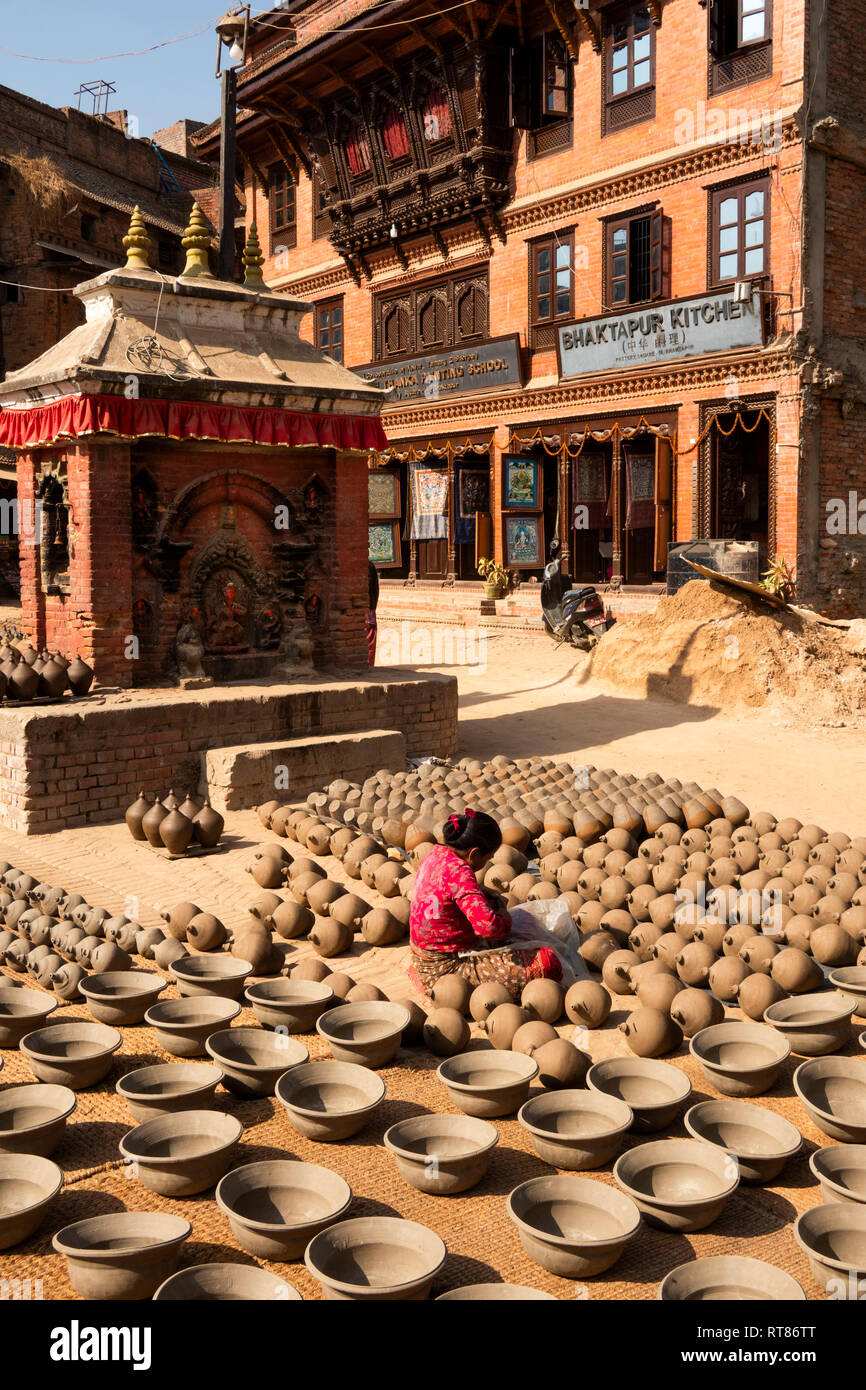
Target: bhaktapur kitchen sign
[
  {"x": 450, "y": 373},
  {"x": 686, "y": 328}
]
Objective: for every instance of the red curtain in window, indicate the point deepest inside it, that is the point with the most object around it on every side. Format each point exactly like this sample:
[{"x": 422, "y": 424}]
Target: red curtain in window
[
  {"x": 358, "y": 153},
  {"x": 436, "y": 117},
  {"x": 395, "y": 135}
]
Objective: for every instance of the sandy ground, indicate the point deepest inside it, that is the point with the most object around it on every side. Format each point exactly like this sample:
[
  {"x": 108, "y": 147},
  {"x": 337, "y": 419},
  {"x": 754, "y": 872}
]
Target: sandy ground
[{"x": 529, "y": 698}]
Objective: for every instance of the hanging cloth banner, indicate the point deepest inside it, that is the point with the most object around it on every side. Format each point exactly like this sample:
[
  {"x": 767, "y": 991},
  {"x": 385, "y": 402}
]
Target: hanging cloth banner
[
  {"x": 77, "y": 416},
  {"x": 639, "y": 489},
  {"x": 589, "y": 472},
  {"x": 429, "y": 504},
  {"x": 473, "y": 495}
]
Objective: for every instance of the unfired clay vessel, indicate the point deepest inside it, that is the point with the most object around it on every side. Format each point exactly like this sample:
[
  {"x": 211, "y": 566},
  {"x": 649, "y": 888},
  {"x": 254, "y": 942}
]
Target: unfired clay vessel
[
  {"x": 216, "y": 975},
  {"x": 740, "y": 1059},
  {"x": 180, "y": 1154},
  {"x": 253, "y": 1059},
  {"x": 487, "y": 1084},
  {"x": 168, "y": 1086},
  {"x": 183, "y": 1024},
  {"x": 28, "y": 1185},
  {"x": 368, "y": 1034},
  {"x": 761, "y": 1141},
  {"x": 122, "y": 1256},
  {"x": 375, "y": 1257},
  {"x": 573, "y": 1227},
  {"x": 718, "y": 1278},
  {"x": 76, "y": 1055},
  {"x": 275, "y": 1207},
  {"x": 654, "y": 1090},
  {"x": 33, "y": 1118},
  {"x": 576, "y": 1129},
  {"x": 441, "y": 1154},
  {"x": 679, "y": 1185},
  {"x": 329, "y": 1101}
]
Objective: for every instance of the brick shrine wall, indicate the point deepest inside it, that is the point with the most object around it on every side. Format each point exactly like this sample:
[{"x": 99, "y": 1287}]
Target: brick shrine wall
[{"x": 84, "y": 763}]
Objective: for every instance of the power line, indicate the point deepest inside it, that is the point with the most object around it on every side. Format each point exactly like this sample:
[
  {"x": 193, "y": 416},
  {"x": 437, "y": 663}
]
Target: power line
[{"x": 109, "y": 57}]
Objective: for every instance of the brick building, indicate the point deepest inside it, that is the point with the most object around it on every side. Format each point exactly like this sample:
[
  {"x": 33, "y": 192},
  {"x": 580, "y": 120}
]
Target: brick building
[{"x": 602, "y": 255}]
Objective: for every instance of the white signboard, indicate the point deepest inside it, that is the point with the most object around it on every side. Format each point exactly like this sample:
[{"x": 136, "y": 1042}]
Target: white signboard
[{"x": 643, "y": 337}]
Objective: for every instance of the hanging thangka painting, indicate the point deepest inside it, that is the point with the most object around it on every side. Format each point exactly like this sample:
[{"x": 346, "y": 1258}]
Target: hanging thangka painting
[
  {"x": 590, "y": 490},
  {"x": 522, "y": 482},
  {"x": 473, "y": 495},
  {"x": 524, "y": 542},
  {"x": 383, "y": 493},
  {"x": 429, "y": 504},
  {"x": 384, "y": 544},
  {"x": 640, "y": 490}
]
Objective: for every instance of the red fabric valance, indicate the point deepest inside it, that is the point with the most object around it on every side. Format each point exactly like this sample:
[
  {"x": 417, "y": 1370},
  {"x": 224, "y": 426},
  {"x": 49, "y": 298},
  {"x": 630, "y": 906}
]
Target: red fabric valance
[{"x": 77, "y": 416}]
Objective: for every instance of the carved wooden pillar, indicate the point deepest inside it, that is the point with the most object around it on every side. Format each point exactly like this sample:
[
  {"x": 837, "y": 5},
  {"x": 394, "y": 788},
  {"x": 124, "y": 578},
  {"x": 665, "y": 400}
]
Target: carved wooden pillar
[
  {"x": 451, "y": 573},
  {"x": 564, "y": 508},
  {"x": 618, "y": 512}
]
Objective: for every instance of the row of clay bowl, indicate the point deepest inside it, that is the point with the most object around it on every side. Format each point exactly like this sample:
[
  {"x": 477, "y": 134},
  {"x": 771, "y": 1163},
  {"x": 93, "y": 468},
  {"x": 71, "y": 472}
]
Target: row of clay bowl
[
  {"x": 174, "y": 825},
  {"x": 27, "y": 675}
]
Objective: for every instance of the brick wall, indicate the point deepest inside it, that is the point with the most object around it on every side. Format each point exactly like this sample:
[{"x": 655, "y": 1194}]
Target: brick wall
[{"x": 85, "y": 762}]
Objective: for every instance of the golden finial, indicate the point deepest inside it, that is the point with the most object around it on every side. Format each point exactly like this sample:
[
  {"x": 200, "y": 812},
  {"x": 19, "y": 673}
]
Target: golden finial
[
  {"x": 136, "y": 242},
  {"x": 196, "y": 243},
  {"x": 253, "y": 260}
]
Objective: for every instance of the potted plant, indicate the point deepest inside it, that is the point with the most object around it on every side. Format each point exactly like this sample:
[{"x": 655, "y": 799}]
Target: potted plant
[{"x": 496, "y": 578}]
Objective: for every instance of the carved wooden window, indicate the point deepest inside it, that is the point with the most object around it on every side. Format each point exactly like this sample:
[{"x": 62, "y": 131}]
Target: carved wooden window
[
  {"x": 282, "y": 204},
  {"x": 431, "y": 317},
  {"x": 541, "y": 93},
  {"x": 321, "y": 216},
  {"x": 551, "y": 287},
  {"x": 397, "y": 334},
  {"x": 329, "y": 328},
  {"x": 436, "y": 117},
  {"x": 555, "y": 78},
  {"x": 433, "y": 322},
  {"x": 740, "y": 34},
  {"x": 629, "y": 62},
  {"x": 358, "y": 153},
  {"x": 471, "y": 310},
  {"x": 638, "y": 260},
  {"x": 740, "y": 231},
  {"x": 395, "y": 136}
]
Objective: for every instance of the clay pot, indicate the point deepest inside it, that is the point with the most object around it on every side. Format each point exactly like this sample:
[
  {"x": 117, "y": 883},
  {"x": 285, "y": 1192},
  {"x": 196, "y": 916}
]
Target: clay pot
[
  {"x": 262, "y": 907},
  {"x": 66, "y": 980},
  {"x": 167, "y": 951},
  {"x": 758, "y": 953},
  {"x": 651, "y": 1033},
  {"x": 830, "y": 944},
  {"x": 291, "y": 919},
  {"x": 80, "y": 676},
  {"x": 323, "y": 895},
  {"x": 23, "y": 683},
  {"x": 503, "y": 1023},
  {"x": 531, "y": 1036},
  {"x": 330, "y": 937},
  {"x": 208, "y": 826},
  {"x": 695, "y": 1009},
  {"x": 253, "y": 943},
  {"x": 658, "y": 991},
  {"x": 365, "y": 994},
  {"x": 107, "y": 956},
  {"x": 146, "y": 940},
  {"x": 446, "y": 1032},
  {"x": 726, "y": 976},
  {"x": 795, "y": 972},
  {"x": 679, "y": 1185},
  {"x": 487, "y": 1084},
  {"x": 833, "y": 1093},
  {"x": 268, "y": 871},
  {"x": 814, "y": 1024},
  {"x": 694, "y": 963},
  {"x": 485, "y": 998},
  {"x": 73, "y": 1054},
  {"x": 180, "y": 1154},
  {"x": 756, "y": 993},
  {"x": 543, "y": 1000},
  {"x": 452, "y": 991},
  {"x": 310, "y": 969},
  {"x": 134, "y": 816},
  {"x": 735, "y": 937},
  {"x": 122, "y": 932},
  {"x": 379, "y": 928},
  {"x": 205, "y": 932},
  {"x": 178, "y": 918},
  {"x": 175, "y": 831},
  {"x": 151, "y": 822}
]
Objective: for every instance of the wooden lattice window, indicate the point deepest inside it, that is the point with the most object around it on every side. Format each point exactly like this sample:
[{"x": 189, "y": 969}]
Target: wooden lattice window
[
  {"x": 282, "y": 204},
  {"x": 471, "y": 310},
  {"x": 357, "y": 153},
  {"x": 629, "y": 64},
  {"x": 396, "y": 329},
  {"x": 329, "y": 328},
  {"x": 740, "y": 42},
  {"x": 321, "y": 216},
  {"x": 433, "y": 322},
  {"x": 436, "y": 117},
  {"x": 430, "y": 317}
]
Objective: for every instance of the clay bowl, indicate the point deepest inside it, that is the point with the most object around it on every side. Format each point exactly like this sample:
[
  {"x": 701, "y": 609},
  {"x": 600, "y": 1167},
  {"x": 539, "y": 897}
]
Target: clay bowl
[
  {"x": 71, "y": 1054},
  {"x": 223, "y": 975},
  {"x": 123, "y": 1256},
  {"x": 442, "y": 1154},
  {"x": 734, "y": 1278},
  {"x": 33, "y": 1118},
  {"x": 253, "y": 1059},
  {"x": 368, "y": 1034},
  {"x": 654, "y": 1090},
  {"x": 21, "y": 1011},
  {"x": 576, "y": 1129},
  {"x": 740, "y": 1059},
  {"x": 573, "y": 1227},
  {"x": 814, "y": 1024},
  {"x": 275, "y": 1208},
  {"x": 329, "y": 1101},
  {"x": 834, "y": 1239},
  {"x": 375, "y": 1257},
  {"x": 841, "y": 1172},
  {"x": 759, "y": 1140},
  {"x": 679, "y": 1184},
  {"x": 121, "y": 997},
  {"x": 850, "y": 982},
  {"x": 167, "y": 1087},
  {"x": 289, "y": 1004},
  {"x": 27, "y": 1185},
  {"x": 833, "y": 1090},
  {"x": 487, "y": 1084},
  {"x": 178, "y": 1155},
  {"x": 182, "y": 1025},
  {"x": 225, "y": 1282},
  {"x": 489, "y": 1293}
]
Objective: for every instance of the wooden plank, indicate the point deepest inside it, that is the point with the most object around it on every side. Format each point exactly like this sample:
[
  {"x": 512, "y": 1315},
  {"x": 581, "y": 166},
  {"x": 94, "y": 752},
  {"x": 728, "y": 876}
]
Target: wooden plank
[{"x": 774, "y": 600}]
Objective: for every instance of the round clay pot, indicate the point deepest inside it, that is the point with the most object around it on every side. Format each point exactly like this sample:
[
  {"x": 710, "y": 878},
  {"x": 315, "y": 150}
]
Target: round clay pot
[
  {"x": 123, "y": 998},
  {"x": 442, "y": 1154},
  {"x": 275, "y": 1207},
  {"x": 214, "y": 1283},
  {"x": 680, "y": 1185},
  {"x": 167, "y": 1087},
  {"x": 487, "y": 1084},
  {"x": 291, "y": 920},
  {"x": 208, "y": 826},
  {"x": 760, "y": 1141},
  {"x": 80, "y": 676},
  {"x": 587, "y": 1004},
  {"x": 573, "y": 1227},
  {"x": 716, "y": 1277},
  {"x": 576, "y": 1129},
  {"x": 453, "y": 992},
  {"x": 543, "y": 1000},
  {"x": 833, "y": 1091},
  {"x": 134, "y": 815},
  {"x": 182, "y": 1025},
  {"x": 125, "y": 1255},
  {"x": 151, "y": 822},
  {"x": 205, "y": 932},
  {"x": 175, "y": 831},
  {"x": 330, "y": 937},
  {"x": 180, "y": 1154},
  {"x": 485, "y": 998},
  {"x": 28, "y": 1184},
  {"x": 813, "y": 1024},
  {"x": 651, "y": 1033},
  {"x": 740, "y": 1059},
  {"x": 795, "y": 972},
  {"x": 654, "y": 1090},
  {"x": 33, "y": 1118},
  {"x": 375, "y": 1257},
  {"x": 178, "y": 918},
  {"x": 380, "y": 928},
  {"x": 22, "y": 1011},
  {"x": 841, "y": 1172},
  {"x": 253, "y": 1059},
  {"x": 329, "y": 1101},
  {"x": 368, "y": 1034},
  {"x": 76, "y": 1054}
]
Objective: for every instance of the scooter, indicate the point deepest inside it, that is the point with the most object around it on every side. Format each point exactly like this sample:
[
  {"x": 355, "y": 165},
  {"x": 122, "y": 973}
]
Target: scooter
[{"x": 571, "y": 615}]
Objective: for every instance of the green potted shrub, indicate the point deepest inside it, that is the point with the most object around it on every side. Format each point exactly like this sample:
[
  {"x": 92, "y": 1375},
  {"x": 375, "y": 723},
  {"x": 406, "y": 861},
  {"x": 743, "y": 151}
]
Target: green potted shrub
[{"x": 496, "y": 578}]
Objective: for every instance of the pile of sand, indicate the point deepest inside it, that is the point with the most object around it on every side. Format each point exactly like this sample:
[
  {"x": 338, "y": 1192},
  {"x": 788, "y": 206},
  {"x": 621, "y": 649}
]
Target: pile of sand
[{"x": 709, "y": 646}]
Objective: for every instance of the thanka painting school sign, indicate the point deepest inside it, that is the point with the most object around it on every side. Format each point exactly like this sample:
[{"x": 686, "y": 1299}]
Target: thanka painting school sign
[{"x": 687, "y": 328}]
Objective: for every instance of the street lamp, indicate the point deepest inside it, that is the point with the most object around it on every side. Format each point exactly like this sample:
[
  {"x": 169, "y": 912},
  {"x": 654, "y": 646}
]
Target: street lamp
[{"x": 232, "y": 31}]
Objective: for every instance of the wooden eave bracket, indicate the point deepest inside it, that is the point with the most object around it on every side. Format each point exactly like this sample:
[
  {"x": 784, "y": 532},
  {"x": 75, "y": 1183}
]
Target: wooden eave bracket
[{"x": 590, "y": 27}]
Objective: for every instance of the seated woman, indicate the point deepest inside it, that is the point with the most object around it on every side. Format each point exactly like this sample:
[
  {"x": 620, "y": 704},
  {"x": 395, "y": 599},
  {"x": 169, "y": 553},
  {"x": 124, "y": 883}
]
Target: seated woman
[{"x": 454, "y": 927}]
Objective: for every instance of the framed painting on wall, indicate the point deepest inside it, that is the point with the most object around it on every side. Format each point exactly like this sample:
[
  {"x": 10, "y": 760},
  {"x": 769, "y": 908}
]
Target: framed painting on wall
[
  {"x": 383, "y": 493},
  {"x": 384, "y": 544},
  {"x": 521, "y": 484},
  {"x": 524, "y": 542}
]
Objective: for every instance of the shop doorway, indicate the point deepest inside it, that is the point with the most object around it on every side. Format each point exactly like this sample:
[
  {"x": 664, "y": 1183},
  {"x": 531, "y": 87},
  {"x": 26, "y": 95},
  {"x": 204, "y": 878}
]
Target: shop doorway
[
  {"x": 740, "y": 479},
  {"x": 471, "y": 504},
  {"x": 591, "y": 522},
  {"x": 647, "y": 475}
]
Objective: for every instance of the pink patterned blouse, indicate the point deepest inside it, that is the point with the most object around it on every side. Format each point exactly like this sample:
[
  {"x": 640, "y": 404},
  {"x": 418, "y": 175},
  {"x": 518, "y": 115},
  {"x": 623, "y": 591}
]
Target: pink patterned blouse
[{"x": 449, "y": 911}]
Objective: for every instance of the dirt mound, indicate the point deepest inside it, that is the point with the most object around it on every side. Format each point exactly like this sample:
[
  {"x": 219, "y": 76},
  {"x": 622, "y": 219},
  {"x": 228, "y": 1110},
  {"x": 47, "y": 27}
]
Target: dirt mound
[{"x": 709, "y": 646}]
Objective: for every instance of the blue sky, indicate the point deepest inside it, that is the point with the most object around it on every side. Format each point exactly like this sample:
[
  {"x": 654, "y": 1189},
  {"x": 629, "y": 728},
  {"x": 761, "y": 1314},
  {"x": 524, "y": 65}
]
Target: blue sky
[{"x": 158, "y": 88}]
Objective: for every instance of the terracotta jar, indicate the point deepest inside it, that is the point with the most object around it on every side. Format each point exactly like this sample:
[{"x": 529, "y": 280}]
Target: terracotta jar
[
  {"x": 175, "y": 831},
  {"x": 80, "y": 676},
  {"x": 208, "y": 826},
  {"x": 52, "y": 679},
  {"x": 206, "y": 932},
  {"x": 178, "y": 918},
  {"x": 23, "y": 683},
  {"x": 151, "y": 822},
  {"x": 135, "y": 814}
]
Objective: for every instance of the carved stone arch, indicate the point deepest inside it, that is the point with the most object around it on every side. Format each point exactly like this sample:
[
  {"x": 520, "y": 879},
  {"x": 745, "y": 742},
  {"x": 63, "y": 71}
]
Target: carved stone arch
[{"x": 230, "y": 486}]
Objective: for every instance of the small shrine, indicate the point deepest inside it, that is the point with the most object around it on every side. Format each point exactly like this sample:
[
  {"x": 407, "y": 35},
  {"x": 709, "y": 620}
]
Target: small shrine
[{"x": 197, "y": 473}]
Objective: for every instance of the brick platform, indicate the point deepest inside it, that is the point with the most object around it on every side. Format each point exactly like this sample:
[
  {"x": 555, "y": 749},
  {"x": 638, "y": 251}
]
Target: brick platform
[
  {"x": 81, "y": 763},
  {"x": 239, "y": 779}
]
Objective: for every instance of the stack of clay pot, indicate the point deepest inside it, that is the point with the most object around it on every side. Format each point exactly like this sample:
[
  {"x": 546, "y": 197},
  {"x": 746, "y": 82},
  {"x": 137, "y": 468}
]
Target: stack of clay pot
[
  {"x": 27, "y": 675},
  {"x": 177, "y": 826}
]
